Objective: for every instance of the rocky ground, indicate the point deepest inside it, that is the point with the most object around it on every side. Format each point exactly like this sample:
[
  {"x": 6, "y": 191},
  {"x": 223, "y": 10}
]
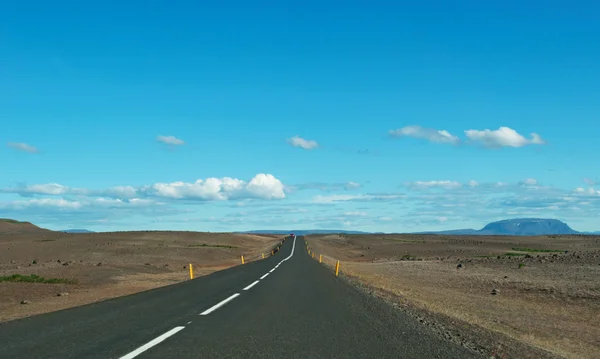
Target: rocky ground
[
  {"x": 522, "y": 297},
  {"x": 97, "y": 266}
]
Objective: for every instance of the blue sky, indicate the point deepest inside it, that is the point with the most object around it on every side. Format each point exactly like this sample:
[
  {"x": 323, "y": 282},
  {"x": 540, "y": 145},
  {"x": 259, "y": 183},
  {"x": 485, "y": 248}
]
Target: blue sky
[{"x": 379, "y": 116}]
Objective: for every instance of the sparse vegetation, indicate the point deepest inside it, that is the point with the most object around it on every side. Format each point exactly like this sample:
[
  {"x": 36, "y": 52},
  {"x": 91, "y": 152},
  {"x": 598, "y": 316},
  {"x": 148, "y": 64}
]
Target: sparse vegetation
[
  {"x": 408, "y": 257},
  {"x": 32, "y": 278},
  {"x": 513, "y": 254},
  {"x": 565, "y": 287},
  {"x": 10, "y": 220},
  {"x": 212, "y": 245},
  {"x": 46, "y": 240},
  {"x": 523, "y": 249},
  {"x": 409, "y": 241}
]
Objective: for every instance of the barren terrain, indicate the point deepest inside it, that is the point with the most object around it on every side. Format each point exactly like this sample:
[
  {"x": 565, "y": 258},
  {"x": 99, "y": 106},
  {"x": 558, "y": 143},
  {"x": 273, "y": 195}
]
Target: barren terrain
[
  {"x": 95, "y": 266},
  {"x": 528, "y": 297}
]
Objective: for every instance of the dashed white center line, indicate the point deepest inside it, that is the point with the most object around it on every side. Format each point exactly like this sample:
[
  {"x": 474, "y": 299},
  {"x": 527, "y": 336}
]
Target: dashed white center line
[
  {"x": 151, "y": 343},
  {"x": 251, "y": 285},
  {"x": 173, "y": 331},
  {"x": 219, "y": 305}
]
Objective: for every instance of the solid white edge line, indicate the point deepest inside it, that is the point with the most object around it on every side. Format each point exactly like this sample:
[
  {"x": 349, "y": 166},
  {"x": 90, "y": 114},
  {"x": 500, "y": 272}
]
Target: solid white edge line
[
  {"x": 151, "y": 343},
  {"x": 271, "y": 271},
  {"x": 251, "y": 285},
  {"x": 264, "y": 276},
  {"x": 217, "y": 306}
]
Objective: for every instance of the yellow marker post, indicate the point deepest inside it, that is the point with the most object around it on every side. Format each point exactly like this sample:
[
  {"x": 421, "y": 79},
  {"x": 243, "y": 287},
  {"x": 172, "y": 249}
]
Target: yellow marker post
[
  {"x": 191, "y": 271},
  {"x": 313, "y": 254},
  {"x": 272, "y": 253},
  {"x": 242, "y": 259},
  {"x": 337, "y": 268},
  {"x": 320, "y": 258},
  {"x": 263, "y": 256}
]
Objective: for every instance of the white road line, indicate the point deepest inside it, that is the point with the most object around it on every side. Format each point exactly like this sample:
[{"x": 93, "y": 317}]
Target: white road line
[
  {"x": 217, "y": 306},
  {"x": 293, "y": 247},
  {"x": 251, "y": 285},
  {"x": 271, "y": 271},
  {"x": 264, "y": 276},
  {"x": 151, "y": 343}
]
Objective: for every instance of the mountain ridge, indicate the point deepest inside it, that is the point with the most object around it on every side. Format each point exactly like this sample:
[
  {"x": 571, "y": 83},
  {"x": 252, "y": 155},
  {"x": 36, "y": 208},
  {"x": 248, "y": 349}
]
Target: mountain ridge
[
  {"x": 512, "y": 227},
  {"x": 517, "y": 227},
  {"x": 508, "y": 227}
]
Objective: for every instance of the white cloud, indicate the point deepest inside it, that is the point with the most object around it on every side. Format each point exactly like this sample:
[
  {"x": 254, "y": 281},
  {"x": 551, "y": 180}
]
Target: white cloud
[
  {"x": 352, "y": 185},
  {"x": 262, "y": 186},
  {"x": 58, "y": 203},
  {"x": 355, "y": 214},
  {"x": 503, "y": 137},
  {"x": 529, "y": 182},
  {"x": 170, "y": 140},
  {"x": 265, "y": 186},
  {"x": 336, "y": 198},
  {"x": 67, "y": 204},
  {"x": 442, "y": 219},
  {"x": 432, "y": 135},
  {"x": 355, "y": 198},
  {"x": 434, "y": 184},
  {"x": 22, "y": 147},
  {"x": 49, "y": 188},
  {"x": 321, "y": 186},
  {"x": 298, "y": 141},
  {"x": 589, "y": 191},
  {"x": 121, "y": 192},
  {"x": 589, "y": 181},
  {"x": 473, "y": 183}
]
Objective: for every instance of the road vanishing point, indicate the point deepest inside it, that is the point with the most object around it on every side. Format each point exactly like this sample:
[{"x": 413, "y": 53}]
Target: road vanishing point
[{"x": 285, "y": 306}]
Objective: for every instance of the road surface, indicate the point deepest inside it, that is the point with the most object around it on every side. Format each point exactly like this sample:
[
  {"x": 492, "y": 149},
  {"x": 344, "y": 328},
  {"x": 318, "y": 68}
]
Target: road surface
[{"x": 285, "y": 306}]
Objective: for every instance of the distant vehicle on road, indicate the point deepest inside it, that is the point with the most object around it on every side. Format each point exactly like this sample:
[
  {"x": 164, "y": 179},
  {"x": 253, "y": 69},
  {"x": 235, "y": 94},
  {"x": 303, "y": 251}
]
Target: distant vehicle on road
[{"x": 291, "y": 234}]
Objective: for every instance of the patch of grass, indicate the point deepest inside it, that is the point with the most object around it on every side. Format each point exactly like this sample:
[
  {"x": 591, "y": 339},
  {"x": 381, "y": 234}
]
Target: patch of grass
[
  {"x": 9, "y": 220},
  {"x": 521, "y": 265},
  {"x": 513, "y": 254},
  {"x": 212, "y": 245},
  {"x": 409, "y": 241},
  {"x": 46, "y": 240},
  {"x": 408, "y": 257},
  {"x": 523, "y": 249},
  {"x": 33, "y": 278}
]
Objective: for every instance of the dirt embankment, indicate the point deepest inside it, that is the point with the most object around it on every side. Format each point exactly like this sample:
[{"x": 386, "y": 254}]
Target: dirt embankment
[
  {"x": 533, "y": 297},
  {"x": 98, "y": 266}
]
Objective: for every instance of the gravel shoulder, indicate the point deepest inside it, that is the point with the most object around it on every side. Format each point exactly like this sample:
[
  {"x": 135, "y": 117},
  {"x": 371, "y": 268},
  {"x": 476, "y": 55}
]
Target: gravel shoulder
[
  {"x": 108, "y": 265},
  {"x": 546, "y": 304}
]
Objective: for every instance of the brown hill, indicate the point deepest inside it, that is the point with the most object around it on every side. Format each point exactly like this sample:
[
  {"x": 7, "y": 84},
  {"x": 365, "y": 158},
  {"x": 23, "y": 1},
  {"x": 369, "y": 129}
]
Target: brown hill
[{"x": 11, "y": 226}]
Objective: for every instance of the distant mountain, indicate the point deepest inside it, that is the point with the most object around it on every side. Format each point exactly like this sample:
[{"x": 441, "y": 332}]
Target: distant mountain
[
  {"x": 77, "y": 231},
  {"x": 517, "y": 227},
  {"x": 303, "y": 232}
]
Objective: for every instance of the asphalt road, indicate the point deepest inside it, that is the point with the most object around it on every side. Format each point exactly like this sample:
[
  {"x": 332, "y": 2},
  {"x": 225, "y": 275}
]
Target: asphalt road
[{"x": 298, "y": 310}]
